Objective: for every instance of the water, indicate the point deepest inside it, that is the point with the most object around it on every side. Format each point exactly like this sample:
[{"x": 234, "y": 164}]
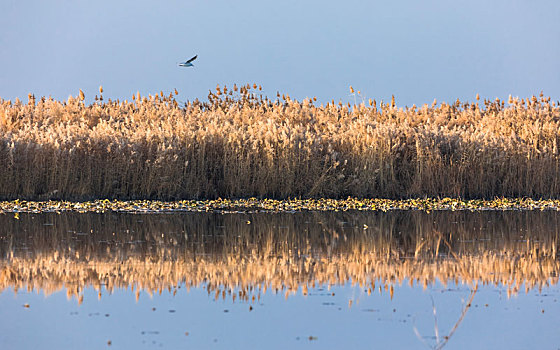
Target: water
[{"x": 303, "y": 280}]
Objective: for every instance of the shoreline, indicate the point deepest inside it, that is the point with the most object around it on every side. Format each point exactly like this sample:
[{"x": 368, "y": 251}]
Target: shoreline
[{"x": 252, "y": 205}]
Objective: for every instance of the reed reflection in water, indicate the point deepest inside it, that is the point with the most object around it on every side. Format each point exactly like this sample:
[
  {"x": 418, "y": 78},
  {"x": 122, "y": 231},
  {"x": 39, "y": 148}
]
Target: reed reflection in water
[{"x": 244, "y": 255}]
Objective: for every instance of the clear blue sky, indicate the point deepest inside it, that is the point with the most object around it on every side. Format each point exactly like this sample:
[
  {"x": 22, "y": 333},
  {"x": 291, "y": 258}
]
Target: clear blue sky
[{"x": 416, "y": 50}]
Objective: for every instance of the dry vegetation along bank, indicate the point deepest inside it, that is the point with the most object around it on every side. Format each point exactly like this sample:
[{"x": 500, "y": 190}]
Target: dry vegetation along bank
[{"x": 240, "y": 144}]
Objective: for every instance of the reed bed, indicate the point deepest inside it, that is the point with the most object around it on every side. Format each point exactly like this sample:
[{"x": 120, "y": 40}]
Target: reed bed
[
  {"x": 243, "y": 256},
  {"x": 240, "y": 144}
]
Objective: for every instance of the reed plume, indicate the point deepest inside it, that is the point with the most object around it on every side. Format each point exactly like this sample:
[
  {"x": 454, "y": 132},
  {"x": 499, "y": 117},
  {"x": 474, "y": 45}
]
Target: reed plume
[{"x": 242, "y": 144}]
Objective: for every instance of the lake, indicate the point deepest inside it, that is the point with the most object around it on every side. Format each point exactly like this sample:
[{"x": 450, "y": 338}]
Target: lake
[{"x": 328, "y": 280}]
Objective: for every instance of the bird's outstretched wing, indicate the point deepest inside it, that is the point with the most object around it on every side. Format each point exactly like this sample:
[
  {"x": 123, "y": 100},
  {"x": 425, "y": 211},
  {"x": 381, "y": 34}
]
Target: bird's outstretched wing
[{"x": 192, "y": 59}]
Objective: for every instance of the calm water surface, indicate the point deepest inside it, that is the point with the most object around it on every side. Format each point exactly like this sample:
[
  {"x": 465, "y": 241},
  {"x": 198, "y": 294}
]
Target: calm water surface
[{"x": 453, "y": 280}]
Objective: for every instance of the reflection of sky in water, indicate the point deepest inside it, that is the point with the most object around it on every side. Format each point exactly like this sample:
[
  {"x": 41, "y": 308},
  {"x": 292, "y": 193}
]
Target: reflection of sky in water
[{"x": 373, "y": 321}]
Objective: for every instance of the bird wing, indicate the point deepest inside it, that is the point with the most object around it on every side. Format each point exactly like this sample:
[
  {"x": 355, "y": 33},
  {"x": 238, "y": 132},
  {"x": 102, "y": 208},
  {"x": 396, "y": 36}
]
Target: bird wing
[{"x": 192, "y": 59}]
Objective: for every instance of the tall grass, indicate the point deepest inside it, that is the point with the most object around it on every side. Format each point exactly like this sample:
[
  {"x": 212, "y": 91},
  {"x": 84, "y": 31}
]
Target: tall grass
[{"x": 241, "y": 144}]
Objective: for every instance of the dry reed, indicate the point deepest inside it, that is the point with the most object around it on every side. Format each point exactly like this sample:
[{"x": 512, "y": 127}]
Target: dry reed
[{"x": 241, "y": 144}]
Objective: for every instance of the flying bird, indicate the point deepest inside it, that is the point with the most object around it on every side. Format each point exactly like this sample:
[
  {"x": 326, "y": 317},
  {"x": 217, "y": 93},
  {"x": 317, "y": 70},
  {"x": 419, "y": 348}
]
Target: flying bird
[{"x": 188, "y": 63}]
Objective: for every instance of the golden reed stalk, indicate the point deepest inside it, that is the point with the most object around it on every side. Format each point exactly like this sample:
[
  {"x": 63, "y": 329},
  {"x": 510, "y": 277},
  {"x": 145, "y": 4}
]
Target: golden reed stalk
[{"x": 241, "y": 144}]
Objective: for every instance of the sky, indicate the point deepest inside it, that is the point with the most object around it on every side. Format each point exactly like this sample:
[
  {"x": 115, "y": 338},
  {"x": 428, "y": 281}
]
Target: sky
[{"x": 416, "y": 50}]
